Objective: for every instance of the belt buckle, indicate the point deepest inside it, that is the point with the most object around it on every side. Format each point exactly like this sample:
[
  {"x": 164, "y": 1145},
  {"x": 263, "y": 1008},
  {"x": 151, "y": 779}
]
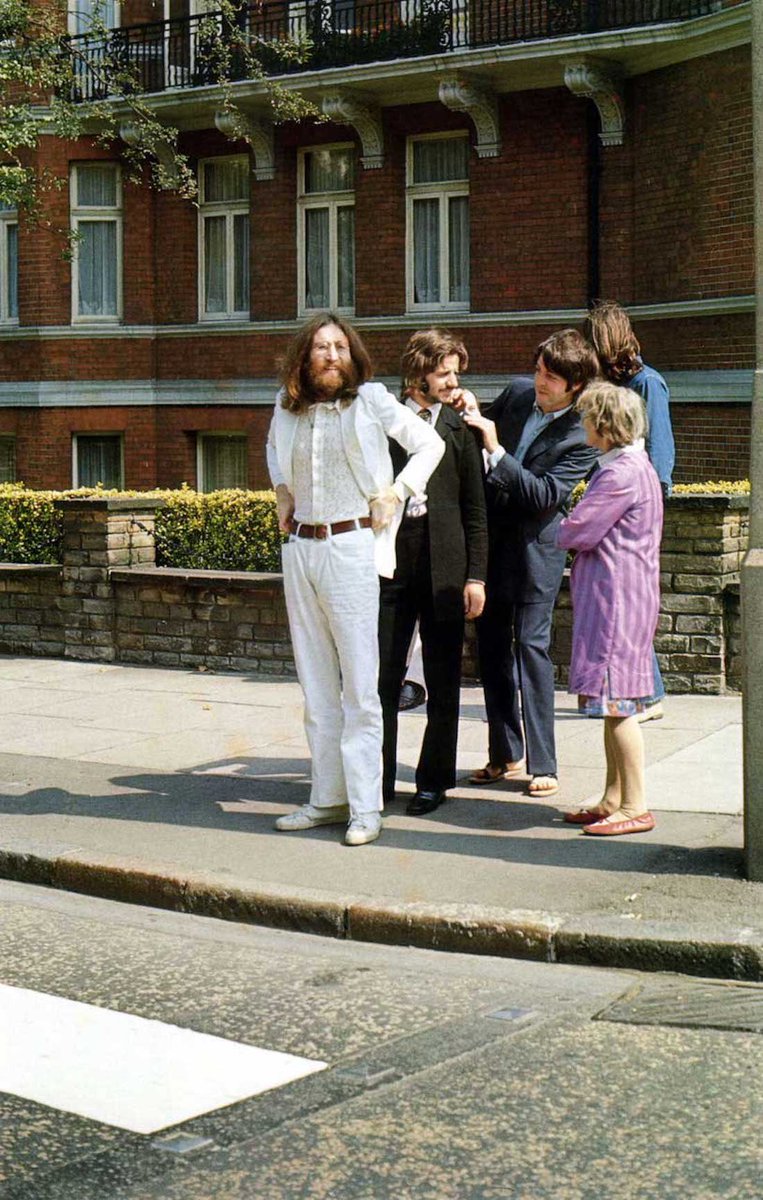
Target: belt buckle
[{"x": 321, "y": 532}]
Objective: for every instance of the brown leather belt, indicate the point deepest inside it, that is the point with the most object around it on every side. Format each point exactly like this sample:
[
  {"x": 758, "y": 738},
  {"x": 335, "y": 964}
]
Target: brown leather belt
[{"x": 321, "y": 532}]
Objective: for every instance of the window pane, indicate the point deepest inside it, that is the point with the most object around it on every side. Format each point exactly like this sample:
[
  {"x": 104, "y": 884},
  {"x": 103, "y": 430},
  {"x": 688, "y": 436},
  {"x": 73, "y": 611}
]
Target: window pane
[
  {"x": 97, "y": 268},
  {"x": 345, "y": 237},
  {"x": 7, "y": 460},
  {"x": 99, "y": 460},
  {"x": 441, "y": 160},
  {"x": 426, "y": 251},
  {"x": 12, "y": 286},
  {"x": 223, "y": 463},
  {"x": 330, "y": 170},
  {"x": 241, "y": 263},
  {"x": 317, "y": 258},
  {"x": 96, "y": 185},
  {"x": 214, "y": 265},
  {"x": 226, "y": 180},
  {"x": 458, "y": 247},
  {"x": 86, "y": 12}
]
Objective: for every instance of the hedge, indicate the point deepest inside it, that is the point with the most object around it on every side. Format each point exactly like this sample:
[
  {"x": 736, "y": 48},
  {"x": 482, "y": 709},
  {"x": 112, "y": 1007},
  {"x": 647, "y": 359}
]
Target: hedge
[{"x": 217, "y": 531}]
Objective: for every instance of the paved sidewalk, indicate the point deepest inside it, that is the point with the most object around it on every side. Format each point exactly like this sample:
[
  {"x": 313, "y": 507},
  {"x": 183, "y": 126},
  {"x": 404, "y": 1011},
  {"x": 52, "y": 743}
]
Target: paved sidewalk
[{"x": 161, "y": 786}]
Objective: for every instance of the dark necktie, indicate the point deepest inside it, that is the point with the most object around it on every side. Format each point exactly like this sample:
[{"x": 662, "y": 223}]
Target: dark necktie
[{"x": 425, "y": 415}]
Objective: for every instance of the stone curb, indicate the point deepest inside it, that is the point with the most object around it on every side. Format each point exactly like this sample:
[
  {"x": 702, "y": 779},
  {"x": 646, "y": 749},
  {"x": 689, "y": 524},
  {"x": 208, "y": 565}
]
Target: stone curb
[{"x": 724, "y": 952}]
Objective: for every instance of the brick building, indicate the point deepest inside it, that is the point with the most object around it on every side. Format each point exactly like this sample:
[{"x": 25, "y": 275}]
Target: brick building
[{"x": 487, "y": 165}]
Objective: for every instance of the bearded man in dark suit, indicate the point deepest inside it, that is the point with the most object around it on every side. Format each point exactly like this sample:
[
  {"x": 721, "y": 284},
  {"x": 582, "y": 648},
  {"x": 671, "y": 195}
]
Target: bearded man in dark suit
[
  {"x": 439, "y": 579},
  {"x": 536, "y": 453}
]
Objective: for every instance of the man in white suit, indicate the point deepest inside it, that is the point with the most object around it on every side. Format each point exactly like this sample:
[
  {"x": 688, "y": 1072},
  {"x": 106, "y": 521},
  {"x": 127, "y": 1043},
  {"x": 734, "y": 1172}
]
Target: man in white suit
[{"x": 340, "y": 503}]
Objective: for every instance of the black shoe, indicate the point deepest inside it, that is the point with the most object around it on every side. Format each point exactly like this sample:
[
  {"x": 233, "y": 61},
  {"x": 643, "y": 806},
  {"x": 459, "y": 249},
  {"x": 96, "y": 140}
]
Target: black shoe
[
  {"x": 411, "y": 695},
  {"x": 425, "y": 802}
]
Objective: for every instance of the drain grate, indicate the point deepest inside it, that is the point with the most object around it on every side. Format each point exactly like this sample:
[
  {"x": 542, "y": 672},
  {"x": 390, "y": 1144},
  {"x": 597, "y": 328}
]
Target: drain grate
[{"x": 695, "y": 1005}]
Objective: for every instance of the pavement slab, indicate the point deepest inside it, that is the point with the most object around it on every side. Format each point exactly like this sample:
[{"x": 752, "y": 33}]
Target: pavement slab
[{"x": 161, "y": 786}]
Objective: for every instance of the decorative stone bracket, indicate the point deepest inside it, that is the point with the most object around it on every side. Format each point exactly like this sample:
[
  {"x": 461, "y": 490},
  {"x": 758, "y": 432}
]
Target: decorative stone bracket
[
  {"x": 163, "y": 151},
  {"x": 346, "y": 109},
  {"x": 259, "y": 136},
  {"x": 602, "y": 83},
  {"x": 481, "y": 106}
]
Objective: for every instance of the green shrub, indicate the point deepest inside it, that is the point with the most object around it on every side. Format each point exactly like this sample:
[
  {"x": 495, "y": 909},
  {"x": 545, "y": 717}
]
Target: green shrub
[
  {"x": 31, "y": 530},
  {"x": 719, "y": 487},
  {"x": 219, "y": 531}
]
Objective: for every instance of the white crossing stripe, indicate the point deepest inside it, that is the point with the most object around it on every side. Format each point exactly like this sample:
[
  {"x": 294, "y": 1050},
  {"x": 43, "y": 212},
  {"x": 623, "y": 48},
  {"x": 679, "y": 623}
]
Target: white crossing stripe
[{"x": 124, "y": 1070}]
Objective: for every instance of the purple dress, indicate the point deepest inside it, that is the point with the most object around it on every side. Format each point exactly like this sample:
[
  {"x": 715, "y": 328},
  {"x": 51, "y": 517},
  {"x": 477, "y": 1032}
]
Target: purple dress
[{"x": 615, "y": 583}]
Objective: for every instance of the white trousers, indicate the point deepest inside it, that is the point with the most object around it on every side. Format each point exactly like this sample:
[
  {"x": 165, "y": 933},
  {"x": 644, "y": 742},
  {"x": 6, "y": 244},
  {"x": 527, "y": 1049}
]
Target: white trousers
[{"x": 332, "y": 598}]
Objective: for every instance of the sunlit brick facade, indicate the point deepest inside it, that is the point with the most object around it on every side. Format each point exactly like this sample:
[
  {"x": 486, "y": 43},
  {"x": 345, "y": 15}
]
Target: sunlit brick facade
[{"x": 493, "y": 187}]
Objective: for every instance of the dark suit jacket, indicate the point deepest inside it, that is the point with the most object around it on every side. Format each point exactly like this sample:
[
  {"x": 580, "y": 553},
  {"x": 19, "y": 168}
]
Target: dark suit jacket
[
  {"x": 457, "y": 517},
  {"x": 527, "y": 501}
]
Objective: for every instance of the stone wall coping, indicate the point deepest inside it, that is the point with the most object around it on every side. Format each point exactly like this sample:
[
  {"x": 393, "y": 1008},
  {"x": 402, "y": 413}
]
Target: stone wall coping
[
  {"x": 112, "y": 503},
  {"x": 30, "y": 568},
  {"x": 709, "y": 500},
  {"x": 234, "y": 579}
]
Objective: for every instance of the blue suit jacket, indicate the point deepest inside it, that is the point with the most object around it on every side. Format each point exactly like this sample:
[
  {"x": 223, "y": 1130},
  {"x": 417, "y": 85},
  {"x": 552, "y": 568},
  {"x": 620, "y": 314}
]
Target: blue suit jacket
[{"x": 526, "y": 501}]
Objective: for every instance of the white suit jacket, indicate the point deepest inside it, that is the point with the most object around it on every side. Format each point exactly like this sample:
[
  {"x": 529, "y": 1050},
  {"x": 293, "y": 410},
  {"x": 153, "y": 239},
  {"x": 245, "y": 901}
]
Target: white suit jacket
[{"x": 373, "y": 416}]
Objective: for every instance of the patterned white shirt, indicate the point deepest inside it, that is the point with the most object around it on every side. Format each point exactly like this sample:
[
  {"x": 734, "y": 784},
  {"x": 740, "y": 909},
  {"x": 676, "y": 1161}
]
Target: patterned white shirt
[{"x": 325, "y": 489}]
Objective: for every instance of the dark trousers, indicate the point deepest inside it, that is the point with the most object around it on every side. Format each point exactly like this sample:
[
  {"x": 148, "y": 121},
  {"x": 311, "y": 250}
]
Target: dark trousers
[
  {"x": 513, "y": 639},
  {"x": 403, "y": 599}
]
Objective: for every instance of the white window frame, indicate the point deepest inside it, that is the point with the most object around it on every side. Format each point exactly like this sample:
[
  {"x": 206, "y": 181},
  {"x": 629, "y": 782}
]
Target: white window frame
[
  {"x": 83, "y": 214},
  {"x": 97, "y": 433},
  {"x": 8, "y": 218},
  {"x": 443, "y": 192},
  {"x": 211, "y": 435},
  {"x": 230, "y": 209},
  {"x": 333, "y": 201}
]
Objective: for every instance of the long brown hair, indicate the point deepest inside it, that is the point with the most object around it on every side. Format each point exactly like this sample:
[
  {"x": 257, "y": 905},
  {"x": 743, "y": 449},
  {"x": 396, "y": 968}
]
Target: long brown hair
[
  {"x": 609, "y": 330},
  {"x": 294, "y": 371}
]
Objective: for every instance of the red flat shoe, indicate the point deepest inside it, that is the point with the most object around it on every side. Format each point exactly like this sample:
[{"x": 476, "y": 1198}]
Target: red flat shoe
[
  {"x": 640, "y": 824},
  {"x": 584, "y": 817}
]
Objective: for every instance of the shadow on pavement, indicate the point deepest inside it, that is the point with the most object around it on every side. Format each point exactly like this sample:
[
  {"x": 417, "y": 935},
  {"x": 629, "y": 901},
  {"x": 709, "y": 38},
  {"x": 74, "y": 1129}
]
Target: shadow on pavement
[{"x": 479, "y": 828}]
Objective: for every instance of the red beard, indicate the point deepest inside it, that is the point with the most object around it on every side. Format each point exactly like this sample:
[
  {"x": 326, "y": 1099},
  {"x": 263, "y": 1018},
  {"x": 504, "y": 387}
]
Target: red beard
[{"x": 328, "y": 382}]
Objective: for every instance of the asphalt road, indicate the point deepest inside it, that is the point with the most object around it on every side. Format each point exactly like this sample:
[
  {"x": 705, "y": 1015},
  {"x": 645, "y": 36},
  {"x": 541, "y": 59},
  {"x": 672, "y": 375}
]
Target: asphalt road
[{"x": 439, "y": 1076}]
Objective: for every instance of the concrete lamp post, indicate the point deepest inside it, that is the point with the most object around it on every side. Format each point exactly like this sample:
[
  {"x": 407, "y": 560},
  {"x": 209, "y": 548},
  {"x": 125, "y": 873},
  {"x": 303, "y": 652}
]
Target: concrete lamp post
[{"x": 752, "y": 569}]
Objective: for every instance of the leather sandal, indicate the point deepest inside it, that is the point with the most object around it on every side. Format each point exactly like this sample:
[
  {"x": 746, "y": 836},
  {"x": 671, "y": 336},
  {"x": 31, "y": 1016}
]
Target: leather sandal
[
  {"x": 540, "y": 790},
  {"x": 490, "y": 774}
]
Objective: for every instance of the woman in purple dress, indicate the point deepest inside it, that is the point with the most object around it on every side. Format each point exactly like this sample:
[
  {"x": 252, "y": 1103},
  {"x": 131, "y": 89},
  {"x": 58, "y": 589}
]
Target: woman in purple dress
[{"x": 615, "y": 530}]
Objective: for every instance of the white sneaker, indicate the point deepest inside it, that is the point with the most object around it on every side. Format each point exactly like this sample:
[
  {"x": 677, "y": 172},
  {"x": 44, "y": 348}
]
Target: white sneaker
[
  {"x": 363, "y": 829},
  {"x": 308, "y": 816}
]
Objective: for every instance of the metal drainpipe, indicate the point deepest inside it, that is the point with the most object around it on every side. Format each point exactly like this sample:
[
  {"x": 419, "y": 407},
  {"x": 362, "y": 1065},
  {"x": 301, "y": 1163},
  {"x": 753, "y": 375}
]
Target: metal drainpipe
[{"x": 594, "y": 178}]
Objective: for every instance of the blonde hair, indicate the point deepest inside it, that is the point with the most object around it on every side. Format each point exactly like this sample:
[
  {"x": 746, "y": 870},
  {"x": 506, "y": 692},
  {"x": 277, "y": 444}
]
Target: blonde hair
[{"x": 614, "y": 412}]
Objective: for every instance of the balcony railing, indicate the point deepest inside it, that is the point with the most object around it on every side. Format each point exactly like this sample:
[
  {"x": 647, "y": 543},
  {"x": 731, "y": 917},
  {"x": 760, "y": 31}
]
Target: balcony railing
[{"x": 202, "y": 49}]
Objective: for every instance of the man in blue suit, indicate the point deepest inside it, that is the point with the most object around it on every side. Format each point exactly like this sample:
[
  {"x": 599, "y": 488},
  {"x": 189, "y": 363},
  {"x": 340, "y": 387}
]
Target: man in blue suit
[{"x": 536, "y": 453}]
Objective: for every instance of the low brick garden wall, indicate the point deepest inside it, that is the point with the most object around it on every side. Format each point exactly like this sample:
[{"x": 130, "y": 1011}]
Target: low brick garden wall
[{"x": 110, "y": 603}]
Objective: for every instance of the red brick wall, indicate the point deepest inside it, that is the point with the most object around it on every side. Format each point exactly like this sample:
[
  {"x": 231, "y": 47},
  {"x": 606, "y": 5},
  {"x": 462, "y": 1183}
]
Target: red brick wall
[
  {"x": 712, "y": 442},
  {"x": 677, "y": 198},
  {"x": 528, "y": 208}
]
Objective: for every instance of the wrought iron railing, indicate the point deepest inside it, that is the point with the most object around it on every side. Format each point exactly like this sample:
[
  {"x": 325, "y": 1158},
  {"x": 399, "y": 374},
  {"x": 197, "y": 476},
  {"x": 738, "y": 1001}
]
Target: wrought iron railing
[{"x": 201, "y": 49}]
